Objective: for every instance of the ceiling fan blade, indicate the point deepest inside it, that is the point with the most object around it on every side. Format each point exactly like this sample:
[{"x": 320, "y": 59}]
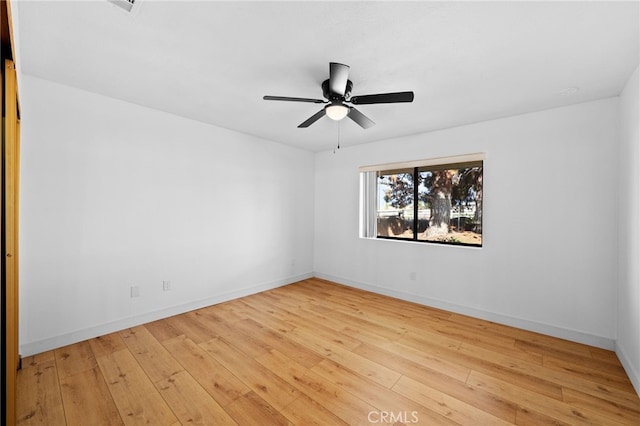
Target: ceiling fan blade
[
  {"x": 286, "y": 98},
  {"x": 382, "y": 98},
  {"x": 338, "y": 76},
  {"x": 315, "y": 117},
  {"x": 362, "y": 120}
]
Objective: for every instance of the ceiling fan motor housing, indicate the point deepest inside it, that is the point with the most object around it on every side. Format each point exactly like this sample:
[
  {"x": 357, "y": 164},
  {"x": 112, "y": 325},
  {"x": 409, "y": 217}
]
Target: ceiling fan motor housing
[{"x": 336, "y": 97}]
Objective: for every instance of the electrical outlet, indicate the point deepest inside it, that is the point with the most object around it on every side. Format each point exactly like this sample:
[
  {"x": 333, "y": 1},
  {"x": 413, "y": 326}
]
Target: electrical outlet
[
  {"x": 412, "y": 276},
  {"x": 166, "y": 285},
  {"x": 135, "y": 291}
]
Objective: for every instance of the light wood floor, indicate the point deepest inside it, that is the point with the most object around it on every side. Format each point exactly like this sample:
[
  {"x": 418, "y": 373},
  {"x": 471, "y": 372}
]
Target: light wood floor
[{"x": 315, "y": 352}]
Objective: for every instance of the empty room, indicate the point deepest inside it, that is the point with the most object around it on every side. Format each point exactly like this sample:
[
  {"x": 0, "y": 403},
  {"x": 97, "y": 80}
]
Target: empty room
[{"x": 320, "y": 213}]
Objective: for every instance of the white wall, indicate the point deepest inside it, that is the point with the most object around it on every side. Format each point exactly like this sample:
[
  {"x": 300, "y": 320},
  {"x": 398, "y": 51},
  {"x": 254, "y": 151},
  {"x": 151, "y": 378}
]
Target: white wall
[
  {"x": 628, "y": 343},
  {"x": 115, "y": 195},
  {"x": 550, "y": 237}
]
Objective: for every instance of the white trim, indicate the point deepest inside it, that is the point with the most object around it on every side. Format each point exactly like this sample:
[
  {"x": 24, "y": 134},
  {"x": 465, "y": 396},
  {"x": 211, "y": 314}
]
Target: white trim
[
  {"x": 39, "y": 346},
  {"x": 479, "y": 156},
  {"x": 368, "y": 205},
  {"x": 537, "y": 327},
  {"x": 634, "y": 375}
]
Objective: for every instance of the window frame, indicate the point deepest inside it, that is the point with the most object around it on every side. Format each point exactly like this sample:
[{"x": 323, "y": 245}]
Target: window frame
[{"x": 369, "y": 176}]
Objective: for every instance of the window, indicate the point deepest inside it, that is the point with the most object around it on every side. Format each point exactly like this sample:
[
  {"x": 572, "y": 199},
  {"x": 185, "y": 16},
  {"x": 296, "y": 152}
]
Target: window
[{"x": 436, "y": 201}]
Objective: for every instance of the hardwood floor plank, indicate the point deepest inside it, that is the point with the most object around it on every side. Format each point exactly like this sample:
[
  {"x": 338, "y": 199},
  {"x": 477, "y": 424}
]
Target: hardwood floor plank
[
  {"x": 219, "y": 382},
  {"x": 604, "y": 355},
  {"x": 263, "y": 382},
  {"x": 398, "y": 305},
  {"x": 327, "y": 319},
  {"x": 325, "y": 333},
  {"x": 445, "y": 405},
  {"x": 106, "y": 344},
  {"x": 527, "y": 375},
  {"x": 528, "y": 417},
  {"x": 552, "y": 353},
  {"x": 88, "y": 408},
  {"x": 189, "y": 325},
  {"x": 279, "y": 341},
  {"x": 342, "y": 404},
  {"x": 135, "y": 396},
  {"x": 74, "y": 359},
  {"x": 385, "y": 400},
  {"x": 155, "y": 360},
  {"x": 263, "y": 315},
  {"x": 367, "y": 316},
  {"x": 492, "y": 404},
  {"x": 250, "y": 409},
  {"x": 594, "y": 375},
  {"x": 425, "y": 339},
  {"x": 226, "y": 310},
  {"x": 306, "y": 411},
  {"x": 375, "y": 310},
  {"x": 374, "y": 371},
  {"x": 542, "y": 379},
  {"x": 190, "y": 402},
  {"x": 540, "y": 403},
  {"x": 41, "y": 358},
  {"x": 485, "y": 401},
  {"x": 316, "y": 327},
  {"x": 548, "y": 341},
  {"x": 589, "y": 402},
  {"x": 366, "y": 336},
  {"x": 477, "y": 336},
  {"x": 316, "y": 352},
  {"x": 358, "y": 322},
  {"x": 246, "y": 343},
  {"x": 435, "y": 358},
  {"x": 293, "y": 302},
  {"x": 39, "y": 401},
  {"x": 162, "y": 330}
]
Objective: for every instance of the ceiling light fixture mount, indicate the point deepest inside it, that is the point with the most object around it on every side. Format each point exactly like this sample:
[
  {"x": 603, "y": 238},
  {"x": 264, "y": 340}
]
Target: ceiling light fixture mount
[{"x": 569, "y": 91}]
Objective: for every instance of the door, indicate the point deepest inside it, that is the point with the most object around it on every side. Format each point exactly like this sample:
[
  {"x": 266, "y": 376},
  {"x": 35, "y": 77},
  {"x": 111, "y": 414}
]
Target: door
[{"x": 10, "y": 172}]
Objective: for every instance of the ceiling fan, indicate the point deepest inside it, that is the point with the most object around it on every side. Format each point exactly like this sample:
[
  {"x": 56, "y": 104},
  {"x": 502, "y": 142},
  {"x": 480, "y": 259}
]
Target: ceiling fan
[{"x": 337, "y": 92}]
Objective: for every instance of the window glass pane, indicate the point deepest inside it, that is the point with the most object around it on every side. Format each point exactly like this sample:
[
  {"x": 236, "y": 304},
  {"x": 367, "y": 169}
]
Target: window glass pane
[
  {"x": 450, "y": 205},
  {"x": 395, "y": 204}
]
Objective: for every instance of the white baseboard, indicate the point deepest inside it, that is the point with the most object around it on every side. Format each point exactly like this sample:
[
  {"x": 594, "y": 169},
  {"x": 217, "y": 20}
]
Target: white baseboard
[
  {"x": 550, "y": 330},
  {"x": 39, "y": 346},
  {"x": 43, "y": 345},
  {"x": 629, "y": 368}
]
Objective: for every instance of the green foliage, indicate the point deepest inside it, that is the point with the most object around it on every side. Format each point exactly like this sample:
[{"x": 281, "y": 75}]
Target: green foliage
[
  {"x": 452, "y": 240},
  {"x": 400, "y": 189},
  {"x": 467, "y": 186}
]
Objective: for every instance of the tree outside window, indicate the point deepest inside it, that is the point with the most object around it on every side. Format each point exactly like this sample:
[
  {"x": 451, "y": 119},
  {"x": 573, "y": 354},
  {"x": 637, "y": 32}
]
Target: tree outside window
[{"x": 441, "y": 204}]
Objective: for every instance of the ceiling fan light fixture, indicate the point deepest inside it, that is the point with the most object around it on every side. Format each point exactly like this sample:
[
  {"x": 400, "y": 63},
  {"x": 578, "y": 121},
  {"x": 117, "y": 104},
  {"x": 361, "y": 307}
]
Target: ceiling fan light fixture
[
  {"x": 337, "y": 91},
  {"x": 337, "y": 111}
]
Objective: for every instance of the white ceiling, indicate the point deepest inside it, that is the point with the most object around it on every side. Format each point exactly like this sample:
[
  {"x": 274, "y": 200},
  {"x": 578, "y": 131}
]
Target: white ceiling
[{"x": 213, "y": 61}]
